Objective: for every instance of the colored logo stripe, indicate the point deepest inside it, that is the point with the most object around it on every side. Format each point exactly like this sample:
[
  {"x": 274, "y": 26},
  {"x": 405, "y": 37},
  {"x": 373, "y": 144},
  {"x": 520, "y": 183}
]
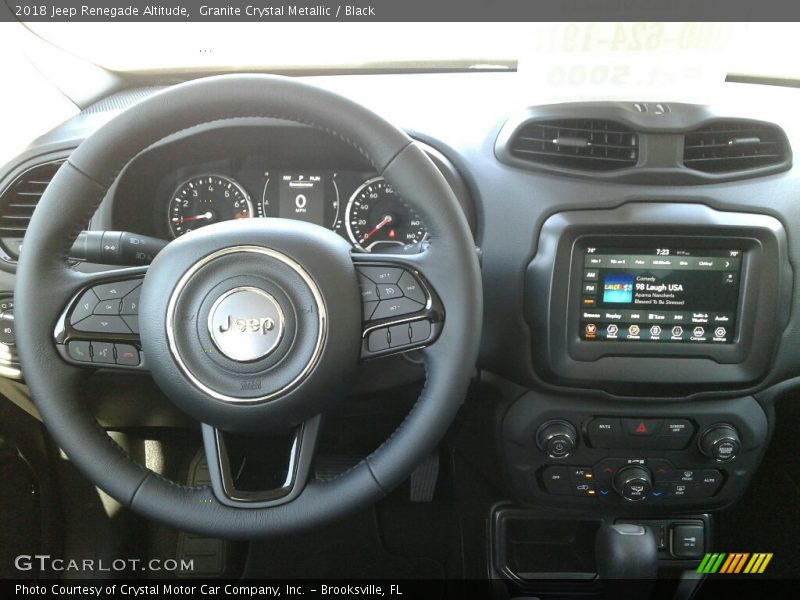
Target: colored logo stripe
[
  {"x": 735, "y": 562},
  {"x": 758, "y": 563},
  {"x": 711, "y": 562}
]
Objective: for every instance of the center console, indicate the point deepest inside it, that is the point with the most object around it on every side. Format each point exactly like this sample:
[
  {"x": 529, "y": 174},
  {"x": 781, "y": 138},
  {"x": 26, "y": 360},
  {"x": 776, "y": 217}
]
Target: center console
[{"x": 650, "y": 324}]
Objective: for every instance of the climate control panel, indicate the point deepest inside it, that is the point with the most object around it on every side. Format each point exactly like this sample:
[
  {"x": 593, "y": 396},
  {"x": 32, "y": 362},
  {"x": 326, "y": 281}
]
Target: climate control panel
[
  {"x": 632, "y": 480},
  {"x": 621, "y": 456}
]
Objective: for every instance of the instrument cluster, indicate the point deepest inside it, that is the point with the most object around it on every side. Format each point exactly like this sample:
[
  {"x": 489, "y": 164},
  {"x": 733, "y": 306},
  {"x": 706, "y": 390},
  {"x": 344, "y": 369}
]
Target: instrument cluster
[{"x": 361, "y": 207}]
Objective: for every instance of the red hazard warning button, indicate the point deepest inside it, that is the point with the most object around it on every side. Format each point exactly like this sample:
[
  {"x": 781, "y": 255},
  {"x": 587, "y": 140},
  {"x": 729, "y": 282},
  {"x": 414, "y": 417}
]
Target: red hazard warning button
[{"x": 641, "y": 426}]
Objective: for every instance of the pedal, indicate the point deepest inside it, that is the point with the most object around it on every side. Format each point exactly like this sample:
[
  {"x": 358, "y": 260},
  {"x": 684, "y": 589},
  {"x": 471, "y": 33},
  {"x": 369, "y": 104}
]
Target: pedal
[
  {"x": 424, "y": 478},
  {"x": 208, "y": 556}
]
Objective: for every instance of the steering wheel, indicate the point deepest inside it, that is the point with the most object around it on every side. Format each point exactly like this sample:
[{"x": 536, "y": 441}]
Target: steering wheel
[{"x": 253, "y": 326}]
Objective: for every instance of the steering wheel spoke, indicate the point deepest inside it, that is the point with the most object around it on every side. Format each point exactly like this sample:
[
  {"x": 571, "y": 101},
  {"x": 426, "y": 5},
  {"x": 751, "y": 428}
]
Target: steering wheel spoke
[
  {"x": 259, "y": 472},
  {"x": 401, "y": 311},
  {"x": 99, "y": 327}
]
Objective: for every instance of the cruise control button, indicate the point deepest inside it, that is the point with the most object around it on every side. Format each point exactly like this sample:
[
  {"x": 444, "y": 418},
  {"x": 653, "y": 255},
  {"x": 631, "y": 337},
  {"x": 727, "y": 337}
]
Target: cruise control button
[
  {"x": 84, "y": 307},
  {"x": 394, "y": 308},
  {"x": 132, "y": 321},
  {"x": 399, "y": 335},
  {"x": 369, "y": 292},
  {"x": 127, "y": 355},
  {"x": 382, "y": 274},
  {"x": 103, "y": 324},
  {"x": 103, "y": 352},
  {"x": 420, "y": 331},
  {"x": 389, "y": 292},
  {"x": 378, "y": 340},
  {"x": 130, "y": 303},
  {"x": 107, "y": 307},
  {"x": 118, "y": 289},
  {"x": 411, "y": 288},
  {"x": 80, "y": 351},
  {"x": 367, "y": 308}
]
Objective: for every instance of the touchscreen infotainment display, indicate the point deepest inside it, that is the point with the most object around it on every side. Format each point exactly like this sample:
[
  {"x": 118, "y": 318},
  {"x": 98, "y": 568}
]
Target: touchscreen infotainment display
[{"x": 659, "y": 294}]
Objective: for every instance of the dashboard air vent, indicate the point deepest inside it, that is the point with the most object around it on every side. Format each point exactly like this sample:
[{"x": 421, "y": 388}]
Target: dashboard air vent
[
  {"x": 17, "y": 203},
  {"x": 582, "y": 144},
  {"x": 734, "y": 145}
]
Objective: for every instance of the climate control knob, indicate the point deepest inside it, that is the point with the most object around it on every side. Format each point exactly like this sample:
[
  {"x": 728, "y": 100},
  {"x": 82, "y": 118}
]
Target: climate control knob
[
  {"x": 720, "y": 442},
  {"x": 557, "y": 438},
  {"x": 633, "y": 483}
]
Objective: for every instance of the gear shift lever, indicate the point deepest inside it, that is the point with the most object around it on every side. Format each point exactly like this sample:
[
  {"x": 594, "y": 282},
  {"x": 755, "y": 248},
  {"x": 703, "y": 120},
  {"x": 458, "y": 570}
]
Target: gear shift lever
[{"x": 626, "y": 556}]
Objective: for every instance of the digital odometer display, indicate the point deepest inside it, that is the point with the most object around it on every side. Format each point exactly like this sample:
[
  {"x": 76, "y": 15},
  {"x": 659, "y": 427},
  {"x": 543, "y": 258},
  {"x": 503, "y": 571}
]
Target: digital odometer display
[{"x": 659, "y": 295}]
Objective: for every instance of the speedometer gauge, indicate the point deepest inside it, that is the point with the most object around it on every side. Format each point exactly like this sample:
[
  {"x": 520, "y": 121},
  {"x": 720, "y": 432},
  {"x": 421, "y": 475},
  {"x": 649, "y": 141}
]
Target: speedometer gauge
[
  {"x": 204, "y": 200},
  {"x": 376, "y": 217}
]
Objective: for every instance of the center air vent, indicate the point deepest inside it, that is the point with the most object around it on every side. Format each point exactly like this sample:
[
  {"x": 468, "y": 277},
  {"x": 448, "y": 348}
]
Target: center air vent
[
  {"x": 17, "y": 203},
  {"x": 581, "y": 144},
  {"x": 735, "y": 145}
]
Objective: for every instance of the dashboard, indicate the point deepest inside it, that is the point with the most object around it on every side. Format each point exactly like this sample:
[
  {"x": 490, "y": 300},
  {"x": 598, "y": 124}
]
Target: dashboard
[
  {"x": 214, "y": 178},
  {"x": 638, "y": 265}
]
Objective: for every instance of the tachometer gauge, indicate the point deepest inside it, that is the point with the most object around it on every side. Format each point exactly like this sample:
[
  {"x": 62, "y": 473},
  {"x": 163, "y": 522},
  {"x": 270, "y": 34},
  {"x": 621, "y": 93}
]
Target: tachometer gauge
[
  {"x": 376, "y": 217},
  {"x": 207, "y": 199}
]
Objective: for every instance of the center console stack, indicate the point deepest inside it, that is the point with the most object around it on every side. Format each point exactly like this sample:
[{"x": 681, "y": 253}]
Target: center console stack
[{"x": 650, "y": 324}]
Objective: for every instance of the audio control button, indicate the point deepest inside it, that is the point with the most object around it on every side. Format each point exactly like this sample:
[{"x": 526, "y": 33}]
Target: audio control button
[{"x": 557, "y": 438}]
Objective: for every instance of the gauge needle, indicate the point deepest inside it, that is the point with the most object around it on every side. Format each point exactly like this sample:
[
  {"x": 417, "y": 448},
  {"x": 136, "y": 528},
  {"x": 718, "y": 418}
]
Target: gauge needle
[
  {"x": 206, "y": 215},
  {"x": 384, "y": 222}
]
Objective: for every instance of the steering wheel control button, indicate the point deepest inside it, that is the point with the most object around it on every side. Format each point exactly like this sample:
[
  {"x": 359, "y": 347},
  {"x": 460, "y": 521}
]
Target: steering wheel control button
[
  {"x": 246, "y": 324},
  {"x": 420, "y": 331},
  {"x": 382, "y": 275},
  {"x": 130, "y": 303},
  {"x": 107, "y": 307},
  {"x": 84, "y": 307},
  {"x": 720, "y": 442},
  {"x": 127, "y": 355},
  {"x": 132, "y": 321},
  {"x": 633, "y": 483},
  {"x": 80, "y": 351},
  {"x": 103, "y": 324},
  {"x": 389, "y": 292},
  {"x": 388, "y": 309},
  {"x": 411, "y": 288},
  {"x": 118, "y": 289},
  {"x": 367, "y": 308},
  {"x": 103, "y": 352},
  {"x": 556, "y": 438},
  {"x": 378, "y": 340},
  {"x": 399, "y": 335}
]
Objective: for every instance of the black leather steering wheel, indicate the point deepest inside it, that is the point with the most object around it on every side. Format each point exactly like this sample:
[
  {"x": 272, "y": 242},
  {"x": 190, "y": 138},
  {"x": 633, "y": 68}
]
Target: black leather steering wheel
[{"x": 299, "y": 362}]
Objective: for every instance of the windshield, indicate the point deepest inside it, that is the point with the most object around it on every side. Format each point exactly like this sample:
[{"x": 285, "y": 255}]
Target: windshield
[{"x": 767, "y": 49}]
